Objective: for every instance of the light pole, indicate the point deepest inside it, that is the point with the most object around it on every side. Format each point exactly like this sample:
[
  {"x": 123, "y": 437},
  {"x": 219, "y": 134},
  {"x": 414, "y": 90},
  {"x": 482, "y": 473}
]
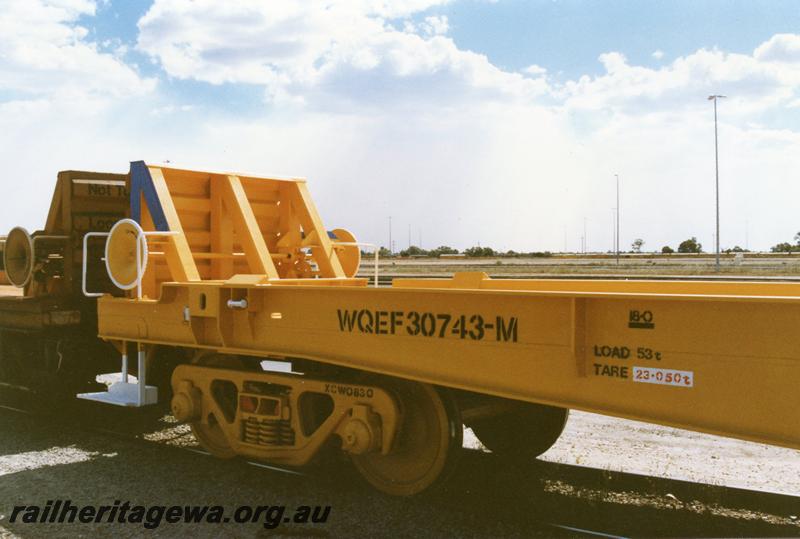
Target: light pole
[
  {"x": 613, "y": 231},
  {"x": 716, "y": 163},
  {"x": 585, "y": 237},
  {"x": 616, "y": 241},
  {"x": 391, "y": 249},
  {"x": 747, "y": 234}
]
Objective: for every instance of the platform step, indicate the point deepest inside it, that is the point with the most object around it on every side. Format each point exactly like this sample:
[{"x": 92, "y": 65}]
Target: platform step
[
  {"x": 113, "y": 378},
  {"x": 123, "y": 394}
]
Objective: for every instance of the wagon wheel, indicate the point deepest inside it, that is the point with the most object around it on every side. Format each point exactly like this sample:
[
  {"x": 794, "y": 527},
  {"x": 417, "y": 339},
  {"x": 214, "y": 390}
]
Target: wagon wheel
[
  {"x": 210, "y": 434},
  {"x": 426, "y": 446},
  {"x": 523, "y": 433}
]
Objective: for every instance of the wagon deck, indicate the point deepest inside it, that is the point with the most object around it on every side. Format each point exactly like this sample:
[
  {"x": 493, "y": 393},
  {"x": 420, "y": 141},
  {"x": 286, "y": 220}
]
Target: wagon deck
[{"x": 208, "y": 278}]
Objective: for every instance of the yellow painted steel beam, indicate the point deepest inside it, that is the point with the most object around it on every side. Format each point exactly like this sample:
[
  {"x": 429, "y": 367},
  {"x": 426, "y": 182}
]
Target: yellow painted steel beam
[
  {"x": 149, "y": 280},
  {"x": 179, "y": 255},
  {"x": 221, "y": 233},
  {"x": 324, "y": 254},
  {"x": 718, "y": 362},
  {"x": 235, "y": 201},
  {"x": 481, "y": 281}
]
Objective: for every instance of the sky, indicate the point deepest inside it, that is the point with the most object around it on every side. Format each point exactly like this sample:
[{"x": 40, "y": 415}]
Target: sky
[{"x": 468, "y": 122}]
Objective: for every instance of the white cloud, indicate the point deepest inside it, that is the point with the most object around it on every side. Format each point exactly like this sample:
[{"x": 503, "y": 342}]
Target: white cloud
[
  {"x": 436, "y": 25},
  {"x": 385, "y": 55},
  {"x": 397, "y": 119},
  {"x": 336, "y": 50},
  {"x": 535, "y": 70},
  {"x": 170, "y": 109},
  {"x": 44, "y": 52},
  {"x": 390, "y": 9},
  {"x": 779, "y": 48},
  {"x": 658, "y": 54},
  {"x": 755, "y": 84}
]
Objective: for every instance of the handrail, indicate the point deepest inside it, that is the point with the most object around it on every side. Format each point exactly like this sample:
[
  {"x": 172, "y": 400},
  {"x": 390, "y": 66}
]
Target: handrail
[
  {"x": 139, "y": 258},
  {"x": 84, "y": 263},
  {"x": 375, "y": 250}
]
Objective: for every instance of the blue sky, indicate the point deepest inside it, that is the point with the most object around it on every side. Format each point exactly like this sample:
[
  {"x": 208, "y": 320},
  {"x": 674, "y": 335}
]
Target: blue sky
[
  {"x": 565, "y": 37},
  {"x": 472, "y": 121}
]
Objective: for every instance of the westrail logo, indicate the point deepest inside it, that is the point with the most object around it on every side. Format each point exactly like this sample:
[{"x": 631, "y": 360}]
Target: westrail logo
[{"x": 641, "y": 320}]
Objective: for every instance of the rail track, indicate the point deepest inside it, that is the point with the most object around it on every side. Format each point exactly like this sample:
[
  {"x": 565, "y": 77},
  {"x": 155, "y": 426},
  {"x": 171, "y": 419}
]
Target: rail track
[
  {"x": 135, "y": 436},
  {"x": 489, "y": 493}
]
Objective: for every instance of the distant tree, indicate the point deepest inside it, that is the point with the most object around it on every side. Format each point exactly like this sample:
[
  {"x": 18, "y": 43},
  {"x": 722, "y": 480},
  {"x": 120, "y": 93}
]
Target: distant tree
[
  {"x": 784, "y": 247},
  {"x": 443, "y": 250},
  {"x": 735, "y": 249},
  {"x": 475, "y": 252},
  {"x": 667, "y": 250},
  {"x": 690, "y": 246},
  {"x": 383, "y": 252},
  {"x": 636, "y": 246},
  {"x": 413, "y": 251}
]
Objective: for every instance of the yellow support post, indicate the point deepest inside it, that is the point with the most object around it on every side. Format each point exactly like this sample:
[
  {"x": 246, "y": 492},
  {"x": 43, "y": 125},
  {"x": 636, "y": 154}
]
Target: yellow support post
[
  {"x": 179, "y": 256},
  {"x": 221, "y": 231},
  {"x": 324, "y": 254},
  {"x": 255, "y": 249}
]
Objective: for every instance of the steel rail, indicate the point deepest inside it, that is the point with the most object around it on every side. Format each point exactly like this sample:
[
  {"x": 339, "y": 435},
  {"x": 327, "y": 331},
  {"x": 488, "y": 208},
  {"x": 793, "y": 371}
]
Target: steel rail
[
  {"x": 138, "y": 439},
  {"x": 268, "y": 467}
]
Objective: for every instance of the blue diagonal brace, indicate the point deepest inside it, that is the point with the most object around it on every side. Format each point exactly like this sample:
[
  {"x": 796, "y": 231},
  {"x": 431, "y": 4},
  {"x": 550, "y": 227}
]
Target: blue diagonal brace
[{"x": 142, "y": 185}]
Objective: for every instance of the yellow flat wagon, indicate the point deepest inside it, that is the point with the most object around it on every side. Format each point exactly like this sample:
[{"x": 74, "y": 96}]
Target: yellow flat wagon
[{"x": 236, "y": 270}]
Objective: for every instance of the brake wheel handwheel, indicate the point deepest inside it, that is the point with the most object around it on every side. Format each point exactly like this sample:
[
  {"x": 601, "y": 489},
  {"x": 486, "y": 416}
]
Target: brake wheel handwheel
[{"x": 427, "y": 445}]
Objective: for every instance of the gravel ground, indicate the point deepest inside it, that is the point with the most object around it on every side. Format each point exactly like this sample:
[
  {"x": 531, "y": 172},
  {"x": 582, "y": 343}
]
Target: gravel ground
[
  {"x": 641, "y": 265},
  {"x": 577, "y": 484},
  {"x": 631, "y": 446}
]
